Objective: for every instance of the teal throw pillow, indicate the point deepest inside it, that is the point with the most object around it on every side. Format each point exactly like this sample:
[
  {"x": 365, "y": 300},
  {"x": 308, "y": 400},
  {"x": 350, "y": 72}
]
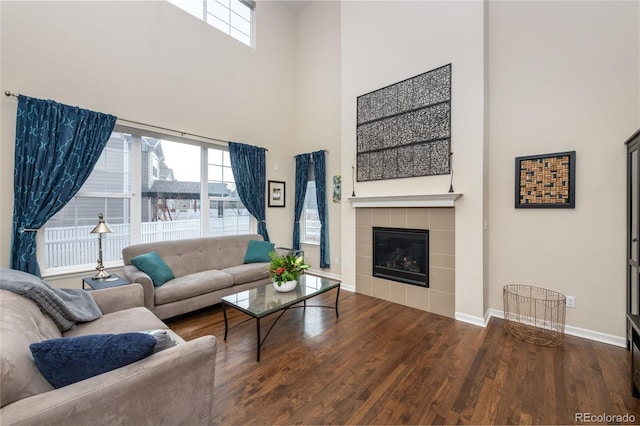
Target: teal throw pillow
[
  {"x": 67, "y": 360},
  {"x": 258, "y": 251},
  {"x": 152, "y": 264}
]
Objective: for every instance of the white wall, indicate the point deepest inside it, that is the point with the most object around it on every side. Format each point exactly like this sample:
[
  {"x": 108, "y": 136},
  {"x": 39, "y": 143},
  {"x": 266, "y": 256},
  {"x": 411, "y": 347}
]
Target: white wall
[
  {"x": 564, "y": 76},
  {"x": 318, "y": 108},
  {"x": 386, "y": 42},
  {"x": 153, "y": 63}
]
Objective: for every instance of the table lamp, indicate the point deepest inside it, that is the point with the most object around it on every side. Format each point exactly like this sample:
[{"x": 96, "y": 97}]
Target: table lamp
[{"x": 101, "y": 228}]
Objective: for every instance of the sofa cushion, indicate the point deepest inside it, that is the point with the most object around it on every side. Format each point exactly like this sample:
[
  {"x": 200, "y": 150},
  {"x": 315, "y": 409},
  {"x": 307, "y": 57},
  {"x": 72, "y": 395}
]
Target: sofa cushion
[
  {"x": 64, "y": 361},
  {"x": 248, "y": 273},
  {"x": 21, "y": 323},
  {"x": 258, "y": 251},
  {"x": 128, "y": 320},
  {"x": 189, "y": 256},
  {"x": 152, "y": 264},
  {"x": 192, "y": 285}
]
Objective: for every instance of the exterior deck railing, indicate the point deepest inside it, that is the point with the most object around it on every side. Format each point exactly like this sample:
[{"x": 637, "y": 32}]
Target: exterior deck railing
[{"x": 75, "y": 245}]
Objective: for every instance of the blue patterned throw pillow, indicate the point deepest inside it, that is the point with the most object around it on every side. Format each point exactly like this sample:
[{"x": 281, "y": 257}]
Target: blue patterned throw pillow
[{"x": 68, "y": 360}]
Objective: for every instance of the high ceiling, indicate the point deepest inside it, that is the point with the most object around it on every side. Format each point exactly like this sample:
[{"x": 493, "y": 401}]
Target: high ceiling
[{"x": 296, "y": 5}]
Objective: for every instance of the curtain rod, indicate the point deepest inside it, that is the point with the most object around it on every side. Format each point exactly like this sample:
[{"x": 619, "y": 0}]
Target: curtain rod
[
  {"x": 15, "y": 95},
  {"x": 325, "y": 150},
  {"x": 172, "y": 130}
]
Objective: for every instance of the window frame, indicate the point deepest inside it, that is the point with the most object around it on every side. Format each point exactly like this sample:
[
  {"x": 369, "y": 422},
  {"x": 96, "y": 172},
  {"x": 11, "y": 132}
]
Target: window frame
[
  {"x": 221, "y": 25},
  {"x": 253, "y": 224},
  {"x": 135, "y": 198},
  {"x": 304, "y": 223}
]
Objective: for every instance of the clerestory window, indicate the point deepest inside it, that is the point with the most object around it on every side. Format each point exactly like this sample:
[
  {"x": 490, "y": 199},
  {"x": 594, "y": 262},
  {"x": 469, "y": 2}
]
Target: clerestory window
[{"x": 232, "y": 17}]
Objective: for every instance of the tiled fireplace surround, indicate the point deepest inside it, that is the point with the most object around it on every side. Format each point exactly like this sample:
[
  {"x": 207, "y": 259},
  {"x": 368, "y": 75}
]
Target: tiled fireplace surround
[{"x": 439, "y": 298}]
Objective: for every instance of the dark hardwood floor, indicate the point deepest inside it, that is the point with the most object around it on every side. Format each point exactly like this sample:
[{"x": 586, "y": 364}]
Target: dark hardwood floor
[{"x": 382, "y": 363}]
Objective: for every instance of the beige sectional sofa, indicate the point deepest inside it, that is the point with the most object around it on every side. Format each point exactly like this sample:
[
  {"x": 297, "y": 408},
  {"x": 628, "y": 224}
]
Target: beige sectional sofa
[
  {"x": 158, "y": 389},
  {"x": 205, "y": 269}
]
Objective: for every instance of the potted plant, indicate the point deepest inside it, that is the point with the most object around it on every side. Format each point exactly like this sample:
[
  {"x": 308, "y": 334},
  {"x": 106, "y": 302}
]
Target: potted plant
[{"x": 284, "y": 270}]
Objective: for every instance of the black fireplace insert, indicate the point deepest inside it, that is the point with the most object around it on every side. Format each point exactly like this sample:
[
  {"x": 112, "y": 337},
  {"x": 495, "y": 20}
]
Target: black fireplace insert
[{"x": 402, "y": 255}]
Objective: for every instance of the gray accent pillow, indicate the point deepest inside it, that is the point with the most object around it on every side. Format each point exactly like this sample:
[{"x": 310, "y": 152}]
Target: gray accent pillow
[{"x": 163, "y": 339}]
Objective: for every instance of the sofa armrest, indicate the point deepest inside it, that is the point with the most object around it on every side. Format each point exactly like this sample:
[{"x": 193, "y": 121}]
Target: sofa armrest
[
  {"x": 133, "y": 274},
  {"x": 174, "y": 386},
  {"x": 118, "y": 298}
]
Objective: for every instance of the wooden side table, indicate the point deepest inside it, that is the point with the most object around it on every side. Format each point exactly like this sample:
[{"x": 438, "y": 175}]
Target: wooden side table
[{"x": 97, "y": 284}]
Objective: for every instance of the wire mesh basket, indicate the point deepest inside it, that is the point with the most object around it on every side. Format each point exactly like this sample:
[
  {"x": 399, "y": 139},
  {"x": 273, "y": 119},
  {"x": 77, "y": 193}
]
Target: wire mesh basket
[{"x": 533, "y": 314}]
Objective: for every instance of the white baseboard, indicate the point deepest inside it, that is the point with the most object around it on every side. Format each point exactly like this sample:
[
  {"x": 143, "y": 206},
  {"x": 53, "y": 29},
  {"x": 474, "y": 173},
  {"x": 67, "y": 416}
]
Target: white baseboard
[
  {"x": 470, "y": 319},
  {"x": 494, "y": 313},
  {"x": 583, "y": 333},
  {"x": 351, "y": 288},
  {"x": 596, "y": 335}
]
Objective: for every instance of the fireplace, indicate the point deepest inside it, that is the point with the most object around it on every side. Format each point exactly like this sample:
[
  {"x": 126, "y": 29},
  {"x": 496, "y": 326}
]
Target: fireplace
[{"x": 402, "y": 255}]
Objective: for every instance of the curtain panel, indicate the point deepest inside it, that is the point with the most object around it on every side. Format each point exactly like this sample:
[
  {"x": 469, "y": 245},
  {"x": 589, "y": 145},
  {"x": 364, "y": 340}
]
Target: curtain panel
[
  {"x": 56, "y": 149},
  {"x": 303, "y": 162},
  {"x": 302, "y": 174},
  {"x": 248, "y": 164},
  {"x": 319, "y": 170}
]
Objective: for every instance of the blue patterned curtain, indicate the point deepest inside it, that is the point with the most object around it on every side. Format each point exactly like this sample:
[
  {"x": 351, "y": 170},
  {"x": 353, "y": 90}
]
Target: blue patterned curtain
[
  {"x": 248, "y": 164},
  {"x": 57, "y": 147},
  {"x": 302, "y": 174},
  {"x": 319, "y": 170}
]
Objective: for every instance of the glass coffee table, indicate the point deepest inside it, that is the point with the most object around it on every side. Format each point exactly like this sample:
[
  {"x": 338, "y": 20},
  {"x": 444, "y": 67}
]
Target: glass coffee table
[{"x": 266, "y": 300}]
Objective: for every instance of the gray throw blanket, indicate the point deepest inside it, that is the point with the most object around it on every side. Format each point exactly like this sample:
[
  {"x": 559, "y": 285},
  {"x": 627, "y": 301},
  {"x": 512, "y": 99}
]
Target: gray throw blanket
[{"x": 64, "y": 306}]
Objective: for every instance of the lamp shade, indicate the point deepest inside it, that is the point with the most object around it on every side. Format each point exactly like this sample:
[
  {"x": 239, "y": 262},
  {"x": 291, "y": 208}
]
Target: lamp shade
[{"x": 101, "y": 227}]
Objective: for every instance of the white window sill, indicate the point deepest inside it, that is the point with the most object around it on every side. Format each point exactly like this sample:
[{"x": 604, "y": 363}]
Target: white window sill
[{"x": 79, "y": 270}]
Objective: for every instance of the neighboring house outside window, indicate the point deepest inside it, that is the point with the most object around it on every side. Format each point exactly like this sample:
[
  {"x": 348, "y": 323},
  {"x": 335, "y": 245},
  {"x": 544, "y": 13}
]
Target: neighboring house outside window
[
  {"x": 159, "y": 199},
  {"x": 232, "y": 17},
  {"x": 155, "y": 167}
]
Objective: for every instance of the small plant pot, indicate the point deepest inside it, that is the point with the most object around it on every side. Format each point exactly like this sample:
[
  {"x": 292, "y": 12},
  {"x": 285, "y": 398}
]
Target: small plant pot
[{"x": 285, "y": 286}]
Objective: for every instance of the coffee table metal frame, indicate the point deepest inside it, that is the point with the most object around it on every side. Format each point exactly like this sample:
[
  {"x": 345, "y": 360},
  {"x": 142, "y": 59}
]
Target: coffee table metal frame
[{"x": 306, "y": 289}]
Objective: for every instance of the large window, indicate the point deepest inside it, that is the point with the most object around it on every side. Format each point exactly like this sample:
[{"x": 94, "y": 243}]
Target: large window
[
  {"x": 149, "y": 188},
  {"x": 232, "y": 17},
  {"x": 227, "y": 214},
  {"x": 67, "y": 235},
  {"x": 311, "y": 221}
]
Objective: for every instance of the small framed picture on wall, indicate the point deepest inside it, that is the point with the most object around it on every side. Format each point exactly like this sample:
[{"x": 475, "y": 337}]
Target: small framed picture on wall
[{"x": 276, "y": 193}]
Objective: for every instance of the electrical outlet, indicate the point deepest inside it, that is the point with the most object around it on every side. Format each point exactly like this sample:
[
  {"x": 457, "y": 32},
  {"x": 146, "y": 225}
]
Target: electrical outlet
[
  {"x": 336, "y": 260},
  {"x": 571, "y": 302}
]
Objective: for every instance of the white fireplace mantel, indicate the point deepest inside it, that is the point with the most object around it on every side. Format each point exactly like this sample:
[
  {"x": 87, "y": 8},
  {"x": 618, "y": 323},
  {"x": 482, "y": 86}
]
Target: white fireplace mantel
[{"x": 426, "y": 200}]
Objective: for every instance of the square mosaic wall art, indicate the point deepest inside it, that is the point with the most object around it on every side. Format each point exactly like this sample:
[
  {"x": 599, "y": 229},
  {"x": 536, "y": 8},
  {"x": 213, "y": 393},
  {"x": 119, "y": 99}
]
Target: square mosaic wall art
[
  {"x": 546, "y": 181},
  {"x": 404, "y": 130}
]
